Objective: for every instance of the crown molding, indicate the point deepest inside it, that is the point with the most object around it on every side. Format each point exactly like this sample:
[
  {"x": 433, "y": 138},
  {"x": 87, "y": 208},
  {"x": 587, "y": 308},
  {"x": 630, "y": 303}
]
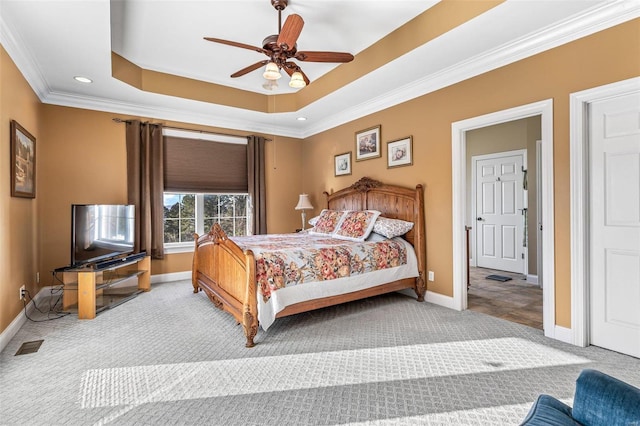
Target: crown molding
[
  {"x": 25, "y": 63},
  {"x": 159, "y": 113},
  {"x": 593, "y": 20}
]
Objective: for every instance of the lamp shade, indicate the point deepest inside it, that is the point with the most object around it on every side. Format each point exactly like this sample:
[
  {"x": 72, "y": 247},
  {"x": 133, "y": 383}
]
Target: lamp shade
[
  {"x": 272, "y": 72},
  {"x": 297, "y": 81},
  {"x": 304, "y": 203}
]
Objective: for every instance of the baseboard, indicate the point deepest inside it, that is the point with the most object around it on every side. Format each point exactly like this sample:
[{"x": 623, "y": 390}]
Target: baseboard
[
  {"x": 173, "y": 276},
  {"x": 439, "y": 299},
  {"x": 13, "y": 328},
  {"x": 563, "y": 334},
  {"x": 532, "y": 279}
]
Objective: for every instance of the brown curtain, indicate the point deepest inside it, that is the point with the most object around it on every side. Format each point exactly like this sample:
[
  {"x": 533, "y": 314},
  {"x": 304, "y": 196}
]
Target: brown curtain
[
  {"x": 145, "y": 185},
  {"x": 256, "y": 183}
]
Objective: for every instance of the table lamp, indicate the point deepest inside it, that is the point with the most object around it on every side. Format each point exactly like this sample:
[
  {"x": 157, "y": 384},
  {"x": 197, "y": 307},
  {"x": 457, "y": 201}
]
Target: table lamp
[{"x": 304, "y": 204}]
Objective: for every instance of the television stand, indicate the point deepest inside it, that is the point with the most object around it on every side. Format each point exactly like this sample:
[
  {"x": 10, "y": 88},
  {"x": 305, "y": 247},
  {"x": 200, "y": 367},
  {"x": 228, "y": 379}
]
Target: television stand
[{"x": 93, "y": 289}]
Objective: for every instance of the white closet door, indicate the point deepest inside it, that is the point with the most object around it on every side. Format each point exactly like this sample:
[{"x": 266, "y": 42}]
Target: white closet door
[{"x": 614, "y": 208}]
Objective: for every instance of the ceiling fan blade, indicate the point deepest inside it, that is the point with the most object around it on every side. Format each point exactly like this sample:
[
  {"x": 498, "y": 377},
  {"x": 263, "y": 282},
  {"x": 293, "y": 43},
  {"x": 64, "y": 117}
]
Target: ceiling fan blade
[
  {"x": 290, "y": 32},
  {"x": 250, "y": 68},
  {"x": 236, "y": 44},
  {"x": 324, "y": 56}
]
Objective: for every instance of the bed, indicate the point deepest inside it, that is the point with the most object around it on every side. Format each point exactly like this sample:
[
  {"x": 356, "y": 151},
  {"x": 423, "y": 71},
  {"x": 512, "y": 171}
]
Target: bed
[{"x": 226, "y": 271}]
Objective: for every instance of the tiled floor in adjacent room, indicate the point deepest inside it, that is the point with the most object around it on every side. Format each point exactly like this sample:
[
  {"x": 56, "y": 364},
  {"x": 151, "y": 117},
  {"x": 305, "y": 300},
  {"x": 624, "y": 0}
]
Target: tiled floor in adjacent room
[{"x": 514, "y": 300}]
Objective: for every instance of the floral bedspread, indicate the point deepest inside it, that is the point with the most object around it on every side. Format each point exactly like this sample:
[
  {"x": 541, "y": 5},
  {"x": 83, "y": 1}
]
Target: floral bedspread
[{"x": 290, "y": 259}]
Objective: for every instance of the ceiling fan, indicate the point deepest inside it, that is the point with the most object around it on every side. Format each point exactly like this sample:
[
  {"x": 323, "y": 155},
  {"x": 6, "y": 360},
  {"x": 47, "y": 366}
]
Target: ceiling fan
[{"x": 281, "y": 48}]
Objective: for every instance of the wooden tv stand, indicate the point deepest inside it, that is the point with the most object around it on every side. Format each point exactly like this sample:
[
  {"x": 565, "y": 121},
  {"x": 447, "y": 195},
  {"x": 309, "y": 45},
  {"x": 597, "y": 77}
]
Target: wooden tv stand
[{"x": 93, "y": 290}]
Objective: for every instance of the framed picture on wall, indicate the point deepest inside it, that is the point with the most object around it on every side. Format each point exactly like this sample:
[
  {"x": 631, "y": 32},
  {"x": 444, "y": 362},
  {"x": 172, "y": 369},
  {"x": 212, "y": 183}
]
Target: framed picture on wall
[
  {"x": 399, "y": 152},
  {"x": 342, "y": 164},
  {"x": 368, "y": 143},
  {"x": 23, "y": 162}
]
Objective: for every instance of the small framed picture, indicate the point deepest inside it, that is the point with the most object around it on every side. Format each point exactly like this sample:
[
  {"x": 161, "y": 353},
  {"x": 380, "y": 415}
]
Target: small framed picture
[
  {"x": 368, "y": 143},
  {"x": 343, "y": 164},
  {"x": 23, "y": 162},
  {"x": 399, "y": 152}
]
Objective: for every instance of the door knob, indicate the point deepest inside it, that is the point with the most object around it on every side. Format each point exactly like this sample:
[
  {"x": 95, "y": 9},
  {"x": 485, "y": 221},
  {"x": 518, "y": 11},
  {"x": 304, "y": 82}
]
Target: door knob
[{"x": 479, "y": 218}]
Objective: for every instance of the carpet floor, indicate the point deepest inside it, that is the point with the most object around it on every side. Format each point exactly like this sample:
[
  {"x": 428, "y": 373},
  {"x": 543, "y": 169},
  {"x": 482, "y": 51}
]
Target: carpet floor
[{"x": 169, "y": 357}]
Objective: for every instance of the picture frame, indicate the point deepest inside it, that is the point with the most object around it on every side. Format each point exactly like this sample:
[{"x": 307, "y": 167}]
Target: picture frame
[
  {"x": 23, "y": 162},
  {"x": 342, "y": 164},
  {"x": 400, "y": 152},
  {"x": 368, "y": 143}
]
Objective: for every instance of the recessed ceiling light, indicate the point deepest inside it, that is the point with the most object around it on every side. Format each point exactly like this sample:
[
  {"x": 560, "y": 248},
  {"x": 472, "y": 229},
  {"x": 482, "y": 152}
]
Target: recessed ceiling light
[
  {"x": 82, "y": 79},
  {"x": 301, "y": 118}
]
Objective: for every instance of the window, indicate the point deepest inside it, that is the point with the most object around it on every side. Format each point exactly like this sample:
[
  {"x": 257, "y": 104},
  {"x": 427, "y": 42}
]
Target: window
[{"x": 186, "y": 213}]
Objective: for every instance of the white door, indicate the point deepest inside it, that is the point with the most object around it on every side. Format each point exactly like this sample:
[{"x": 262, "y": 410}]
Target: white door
[
  {"x": 499, "y": 218},
  {"x": 614, "y": 229}
]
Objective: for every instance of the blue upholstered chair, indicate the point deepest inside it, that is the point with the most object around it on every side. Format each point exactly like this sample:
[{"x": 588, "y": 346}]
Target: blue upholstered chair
[{"x": 600, "y": 400}]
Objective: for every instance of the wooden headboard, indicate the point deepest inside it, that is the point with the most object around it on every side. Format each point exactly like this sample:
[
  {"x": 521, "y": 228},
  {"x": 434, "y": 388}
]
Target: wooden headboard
[{"x": 395, "y": 202}]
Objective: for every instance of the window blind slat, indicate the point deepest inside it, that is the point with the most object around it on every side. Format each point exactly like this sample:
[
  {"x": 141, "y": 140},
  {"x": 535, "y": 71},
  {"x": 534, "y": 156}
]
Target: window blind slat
[{"x": 192, "y": 165}]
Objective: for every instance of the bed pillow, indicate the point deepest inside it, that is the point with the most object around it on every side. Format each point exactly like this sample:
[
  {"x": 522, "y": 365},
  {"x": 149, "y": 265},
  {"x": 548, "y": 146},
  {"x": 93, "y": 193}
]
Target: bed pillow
[
  {"x": 391, "y": 227},
  {"x": 327, "y": 222},
  {"x": 356, "y": 225},
  {"x": 375, "y": 238},
  {"x": 313, "y": 220}
]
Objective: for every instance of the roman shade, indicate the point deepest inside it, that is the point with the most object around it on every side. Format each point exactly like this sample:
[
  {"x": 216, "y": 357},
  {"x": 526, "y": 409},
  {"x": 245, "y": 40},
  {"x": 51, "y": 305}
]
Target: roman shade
[{"x": 195, "y": 165}]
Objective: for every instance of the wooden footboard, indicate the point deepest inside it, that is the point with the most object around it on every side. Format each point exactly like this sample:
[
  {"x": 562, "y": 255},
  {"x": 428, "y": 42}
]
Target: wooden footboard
[{"x": 226, "y": 274}]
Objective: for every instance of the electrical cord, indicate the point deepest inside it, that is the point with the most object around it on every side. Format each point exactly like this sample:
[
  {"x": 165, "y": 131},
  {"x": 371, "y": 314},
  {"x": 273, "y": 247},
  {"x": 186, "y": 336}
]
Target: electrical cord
[
  {"x": 53, "y": 302},
  {"x": 49, "y": 318}
]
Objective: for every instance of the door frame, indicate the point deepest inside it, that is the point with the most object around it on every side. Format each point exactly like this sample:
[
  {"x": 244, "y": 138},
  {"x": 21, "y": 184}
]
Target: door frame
[
  {"x": 543, "y": 108},
  {"x": 539, "y": 224},
  {"x": 474, "y": 201},
  {"x": 579, "y": 172}
]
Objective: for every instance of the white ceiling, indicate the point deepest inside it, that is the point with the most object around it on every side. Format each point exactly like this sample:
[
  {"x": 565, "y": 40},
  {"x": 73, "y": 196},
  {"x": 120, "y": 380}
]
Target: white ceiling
[{"x": 53, "y": 41}]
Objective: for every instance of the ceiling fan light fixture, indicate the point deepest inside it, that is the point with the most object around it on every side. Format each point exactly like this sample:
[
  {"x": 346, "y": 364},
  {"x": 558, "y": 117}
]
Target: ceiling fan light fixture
[
  {"x": 272, "y": 72},
  {"x": 297, "y": 81}
]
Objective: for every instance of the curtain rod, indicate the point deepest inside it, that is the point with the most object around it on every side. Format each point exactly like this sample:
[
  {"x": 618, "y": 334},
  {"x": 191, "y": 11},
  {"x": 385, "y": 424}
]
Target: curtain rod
[{"x": 119, "y": 120}]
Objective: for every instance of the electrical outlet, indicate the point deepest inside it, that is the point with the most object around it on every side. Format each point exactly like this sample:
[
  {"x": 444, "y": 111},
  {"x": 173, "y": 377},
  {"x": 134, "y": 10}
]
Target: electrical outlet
[
  {"x": 23, "y": 292},
  {"x": 432, "y": 276}
]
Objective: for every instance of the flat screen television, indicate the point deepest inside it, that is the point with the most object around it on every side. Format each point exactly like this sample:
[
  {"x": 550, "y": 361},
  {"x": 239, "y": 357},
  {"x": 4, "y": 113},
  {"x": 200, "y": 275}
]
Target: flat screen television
[{"x": 100, "y": 232}]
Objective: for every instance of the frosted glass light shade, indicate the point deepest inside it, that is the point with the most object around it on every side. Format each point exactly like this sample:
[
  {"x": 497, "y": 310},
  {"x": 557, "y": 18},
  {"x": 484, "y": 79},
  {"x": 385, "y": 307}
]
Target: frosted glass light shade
[
  {"x": 272, "y": 72},
  {"x": 270, "y": 84},
  {"x": 297, "y": 81}
]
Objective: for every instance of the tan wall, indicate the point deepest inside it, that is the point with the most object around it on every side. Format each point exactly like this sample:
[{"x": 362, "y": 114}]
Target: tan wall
[
  {"x": 81, "y": 155},
  {"x": 513, "y": 135},
  {"x": 85, "y": 162},
  {"x": 81, "y": 158},
  {"x": 609, "y": 56},
  {"x": 18, "y": 238}
]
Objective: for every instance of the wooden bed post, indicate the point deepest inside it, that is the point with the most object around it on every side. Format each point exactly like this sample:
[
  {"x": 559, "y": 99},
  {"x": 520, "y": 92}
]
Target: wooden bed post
[
  {"x": 420, "y": 243},
  {"x": 194, "y": 267},
  {"x": 250, "y": 307}
]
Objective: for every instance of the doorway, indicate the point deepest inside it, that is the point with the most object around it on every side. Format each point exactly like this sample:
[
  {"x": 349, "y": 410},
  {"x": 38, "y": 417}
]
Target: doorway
[
  {"x": 461, "y": 181},
  {"x": 503, "y": 213}
]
